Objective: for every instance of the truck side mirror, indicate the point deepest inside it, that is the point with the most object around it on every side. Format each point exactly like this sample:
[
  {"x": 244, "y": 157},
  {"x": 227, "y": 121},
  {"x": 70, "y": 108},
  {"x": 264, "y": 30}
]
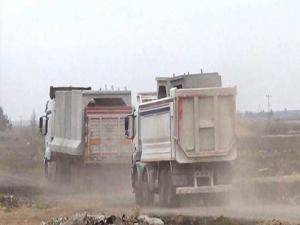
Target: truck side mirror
[
  {"x": 129, "y": 127},
  {"x": 43, "y": 125}
]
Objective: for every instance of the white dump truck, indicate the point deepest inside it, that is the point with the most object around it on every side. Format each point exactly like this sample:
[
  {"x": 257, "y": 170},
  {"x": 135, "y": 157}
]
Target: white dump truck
[
  {"x": 184, "y": 142},
  {"x": 83, "y": 128}
]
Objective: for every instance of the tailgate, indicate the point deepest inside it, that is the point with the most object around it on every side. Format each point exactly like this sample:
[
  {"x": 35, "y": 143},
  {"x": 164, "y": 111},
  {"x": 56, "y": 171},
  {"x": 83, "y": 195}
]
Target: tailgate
[
  {"x": 206, "y": 121},
  {"x": 105, "y": 139}
]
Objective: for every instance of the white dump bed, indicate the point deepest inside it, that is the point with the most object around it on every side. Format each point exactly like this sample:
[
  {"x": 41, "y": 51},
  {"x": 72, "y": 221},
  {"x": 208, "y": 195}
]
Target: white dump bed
[
  {"x": 192, "y": 125},
  {"x": 66, "y": 122},
  {"x": 205, "y": 124}
]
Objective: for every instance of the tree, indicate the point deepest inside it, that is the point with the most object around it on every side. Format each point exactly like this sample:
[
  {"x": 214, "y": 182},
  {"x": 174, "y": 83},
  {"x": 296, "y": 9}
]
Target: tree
[{"x": 4, "y": 121}]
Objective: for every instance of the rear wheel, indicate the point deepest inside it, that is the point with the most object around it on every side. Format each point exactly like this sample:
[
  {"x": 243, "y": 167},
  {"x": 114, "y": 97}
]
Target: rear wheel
[
  {"x": 167, "y": 195},
  {"x": 46, "y": 170},
  {"x": 137, "y": 190},
  {"x": 223, "y": 199},
  {"x": 49, "y": 170},
  {"x": 147, "y": 195},
  {"x": 63, "y": 171},
  {"x": 217, "y": 199}
]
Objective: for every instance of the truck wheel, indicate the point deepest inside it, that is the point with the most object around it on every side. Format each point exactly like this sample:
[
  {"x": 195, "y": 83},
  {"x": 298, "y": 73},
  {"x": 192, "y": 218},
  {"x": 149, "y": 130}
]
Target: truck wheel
[
  {"x": 59, "y": 171},
  {"x": 76, "y": 177},
  {"x": 167, "y": 195},
  {"x": 46, "y": 170},
  {"x": 223, "y": 199},
  {"x": 62, "y": 174},
  {"x": 217, "y": 199},
  {"x": 137, "y": 190},
  {"x": 147, "y": 195},
  {"x": 49, "y": 171}
]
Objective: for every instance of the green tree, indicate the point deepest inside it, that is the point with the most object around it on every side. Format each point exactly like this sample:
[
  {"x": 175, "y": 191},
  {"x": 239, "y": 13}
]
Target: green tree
[{"x": 4, "y": 121}]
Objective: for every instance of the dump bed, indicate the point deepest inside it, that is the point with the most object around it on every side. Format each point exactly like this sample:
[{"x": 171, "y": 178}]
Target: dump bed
[
  {"x": 105, "y": 139},
  {"x": 192, "y": 125},
  {"x": 66, "y": 123},
  {"x": 205, "y": 124}
]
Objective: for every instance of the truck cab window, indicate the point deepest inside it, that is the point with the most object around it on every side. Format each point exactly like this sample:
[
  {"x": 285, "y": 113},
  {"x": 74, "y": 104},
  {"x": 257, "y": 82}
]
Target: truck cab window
[{"x": 162, "y": 92}]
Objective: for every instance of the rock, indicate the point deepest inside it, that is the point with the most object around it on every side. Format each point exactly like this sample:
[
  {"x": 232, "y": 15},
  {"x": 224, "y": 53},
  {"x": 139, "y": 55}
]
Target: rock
[
  {"x": 9, "y": 201},
  {"x": 78, "y": 219},
  {"x": 56, "y": 221},
  {"x": 146, "y": 220},
  {"x": 96, "y": 220},
  {"x": 110, "y": 219},
  {"x": 135, "y": 212},
  {"x": 84, "y": 219},
  {"x": 118, "y": 221}
]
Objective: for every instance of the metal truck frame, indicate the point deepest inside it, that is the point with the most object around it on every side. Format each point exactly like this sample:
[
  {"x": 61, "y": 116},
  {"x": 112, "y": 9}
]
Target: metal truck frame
[{"x": 184, "y": 142}]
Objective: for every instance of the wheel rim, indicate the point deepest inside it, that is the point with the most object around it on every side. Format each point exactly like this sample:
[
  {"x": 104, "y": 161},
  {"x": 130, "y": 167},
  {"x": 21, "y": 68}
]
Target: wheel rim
[
  {"x": 137, "y": 191},
  {"x": 165, "y": 190},
  {"x": 146, "y": 193},
  {"x": 46, "y": 172}
]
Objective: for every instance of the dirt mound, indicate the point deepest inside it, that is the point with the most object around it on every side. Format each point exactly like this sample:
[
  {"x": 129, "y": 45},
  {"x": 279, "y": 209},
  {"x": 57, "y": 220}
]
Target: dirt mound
[{"x": 85, "y": 219}]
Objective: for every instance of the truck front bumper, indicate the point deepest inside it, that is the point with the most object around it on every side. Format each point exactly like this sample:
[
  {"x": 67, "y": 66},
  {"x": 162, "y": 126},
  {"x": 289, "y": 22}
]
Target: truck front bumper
[{"x": 204, "y": 189}]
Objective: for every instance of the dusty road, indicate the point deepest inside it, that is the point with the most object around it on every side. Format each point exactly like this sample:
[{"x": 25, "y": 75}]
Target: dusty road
[
  {"x": 21, "y": 174},
  {"x": 46, "y": 203},
  {"x": 281, "y": 212}
]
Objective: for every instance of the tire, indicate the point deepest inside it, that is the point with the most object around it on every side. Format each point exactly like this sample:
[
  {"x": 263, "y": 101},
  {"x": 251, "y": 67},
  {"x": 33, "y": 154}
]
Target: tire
[
  {"x": 166, "y": 190},
  {"x": 137, "y": 190},
  {"x": 223, "y": 199},
  {"x": 147, "y": 195},
  {"x": 63, "y": 171},
  {"x": 49, "y": 171},
  {"x": 76, "y": 176},
  {"x": 217, "y": 199},
  {"x": 46, "y": 170}
]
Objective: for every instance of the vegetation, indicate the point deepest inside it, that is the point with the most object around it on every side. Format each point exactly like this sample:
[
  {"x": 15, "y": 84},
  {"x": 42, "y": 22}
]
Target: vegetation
[{"x": 4, "y": 121}]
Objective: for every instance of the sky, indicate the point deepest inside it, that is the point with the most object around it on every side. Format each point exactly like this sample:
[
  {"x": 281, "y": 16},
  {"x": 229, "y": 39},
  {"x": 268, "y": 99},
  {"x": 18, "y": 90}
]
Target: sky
[{"x": 253, "y": 44}]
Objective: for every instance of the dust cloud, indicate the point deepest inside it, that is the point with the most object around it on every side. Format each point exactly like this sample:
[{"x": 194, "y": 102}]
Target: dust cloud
[{"x": 260, "y": 192}]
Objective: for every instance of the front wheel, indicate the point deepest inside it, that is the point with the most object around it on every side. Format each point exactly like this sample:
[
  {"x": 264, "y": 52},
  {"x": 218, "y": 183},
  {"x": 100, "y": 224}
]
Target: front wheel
[
  {"x": 218, "y": 199},
  {"x": 49, "y": 170},
  {"x": 137, "y": 190},
  {"x": 147, "y": 195},
  {"x": 167, "y": 193},
  {"x": 46, "y": 169}
]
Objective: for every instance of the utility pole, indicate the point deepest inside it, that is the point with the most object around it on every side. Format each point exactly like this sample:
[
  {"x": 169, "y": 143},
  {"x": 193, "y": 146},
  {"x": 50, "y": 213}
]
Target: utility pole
[
  {"x": 269, "y": 114},
  {"x": 269, "y": 102}
]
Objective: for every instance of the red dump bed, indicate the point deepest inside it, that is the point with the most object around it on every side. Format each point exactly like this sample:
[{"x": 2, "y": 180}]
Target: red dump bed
[{"x": 105, "y": 139}]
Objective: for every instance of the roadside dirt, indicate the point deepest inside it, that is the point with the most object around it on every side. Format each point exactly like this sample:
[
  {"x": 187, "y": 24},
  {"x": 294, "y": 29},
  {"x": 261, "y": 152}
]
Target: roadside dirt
[
  {"x": 21, "y": 174},
  {"x": 43, "y": 204}
]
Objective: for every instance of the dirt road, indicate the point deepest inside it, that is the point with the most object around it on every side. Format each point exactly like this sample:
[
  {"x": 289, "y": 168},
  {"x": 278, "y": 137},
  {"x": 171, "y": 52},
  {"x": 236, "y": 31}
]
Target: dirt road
[
  {"x": 22, "y": 175},
  {"x": 46, "y": 203}
]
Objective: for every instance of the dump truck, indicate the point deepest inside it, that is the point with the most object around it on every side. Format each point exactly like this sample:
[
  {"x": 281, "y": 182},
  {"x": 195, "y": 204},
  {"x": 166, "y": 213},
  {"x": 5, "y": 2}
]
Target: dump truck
[
  {"x": 83, "y": 128},
  {"x": 184, "y": 142}
]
